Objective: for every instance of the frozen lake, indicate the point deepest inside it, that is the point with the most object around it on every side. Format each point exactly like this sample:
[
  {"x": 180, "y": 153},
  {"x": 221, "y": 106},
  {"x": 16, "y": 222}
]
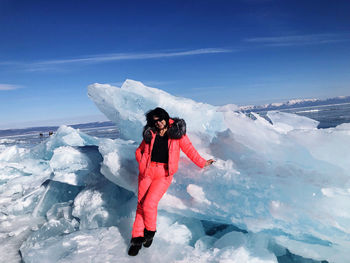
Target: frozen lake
[{"x": 279, "y": 191}]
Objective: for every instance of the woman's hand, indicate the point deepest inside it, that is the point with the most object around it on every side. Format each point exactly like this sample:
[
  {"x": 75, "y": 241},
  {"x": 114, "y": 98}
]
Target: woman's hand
[{"x": 209, "y": 162}]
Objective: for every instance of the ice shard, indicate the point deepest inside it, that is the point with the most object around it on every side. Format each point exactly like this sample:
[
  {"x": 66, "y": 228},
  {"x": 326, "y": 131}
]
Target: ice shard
[
  {"x": 286, "y": 178},
  {"x": 278, "y": 191}
]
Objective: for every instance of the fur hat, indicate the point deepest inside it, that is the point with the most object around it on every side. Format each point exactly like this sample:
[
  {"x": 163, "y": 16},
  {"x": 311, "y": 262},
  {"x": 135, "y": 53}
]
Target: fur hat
[{"x": 177, "y": 129}]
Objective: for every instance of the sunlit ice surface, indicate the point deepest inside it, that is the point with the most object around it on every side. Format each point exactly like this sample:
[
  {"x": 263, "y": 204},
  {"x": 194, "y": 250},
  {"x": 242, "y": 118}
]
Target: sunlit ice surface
[{"x": 278, "y": 190}]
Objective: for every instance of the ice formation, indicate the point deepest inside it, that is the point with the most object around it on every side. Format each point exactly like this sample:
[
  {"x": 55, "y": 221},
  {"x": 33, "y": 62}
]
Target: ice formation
[{"x": 278, "y": 189}]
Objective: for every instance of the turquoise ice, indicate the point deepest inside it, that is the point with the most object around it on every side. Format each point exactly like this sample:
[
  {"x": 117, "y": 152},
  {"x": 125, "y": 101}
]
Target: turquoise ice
[{"x": 275, "y": 185}]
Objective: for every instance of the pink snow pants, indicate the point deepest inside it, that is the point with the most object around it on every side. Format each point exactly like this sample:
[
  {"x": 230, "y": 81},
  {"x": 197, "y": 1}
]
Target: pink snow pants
[{"x": 151, "y": 189}]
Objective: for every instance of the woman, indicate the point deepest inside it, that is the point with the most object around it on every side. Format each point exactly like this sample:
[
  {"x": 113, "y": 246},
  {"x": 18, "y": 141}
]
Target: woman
[{"x": 158, "y": 156}]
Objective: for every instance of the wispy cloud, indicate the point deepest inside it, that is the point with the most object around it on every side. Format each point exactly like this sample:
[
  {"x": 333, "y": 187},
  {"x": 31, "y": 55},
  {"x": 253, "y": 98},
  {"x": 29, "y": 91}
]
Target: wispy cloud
[
  {"x": 297, "y": 40},
  {"x": 9, "y": 87},
  {"x": 94, "y": 59},
  {"x": 130, "y": 56}
]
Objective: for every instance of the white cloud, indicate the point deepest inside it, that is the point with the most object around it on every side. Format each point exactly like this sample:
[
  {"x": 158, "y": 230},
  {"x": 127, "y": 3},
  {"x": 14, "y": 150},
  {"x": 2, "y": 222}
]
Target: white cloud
[
  {"x": 93, "y": 59},
  {"x": 9, "y": 87},
  {"x": 294, "y": 40},
  {"x": 129, "y": 56}
]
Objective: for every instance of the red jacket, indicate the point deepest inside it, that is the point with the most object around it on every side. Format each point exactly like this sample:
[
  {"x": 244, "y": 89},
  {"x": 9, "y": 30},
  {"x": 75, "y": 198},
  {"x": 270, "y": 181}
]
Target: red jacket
[{"x": 177, "y": 140}]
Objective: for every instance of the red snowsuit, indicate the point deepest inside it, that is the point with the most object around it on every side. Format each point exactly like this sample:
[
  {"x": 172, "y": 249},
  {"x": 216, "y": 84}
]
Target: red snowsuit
[{"x": 155, "y": 178}]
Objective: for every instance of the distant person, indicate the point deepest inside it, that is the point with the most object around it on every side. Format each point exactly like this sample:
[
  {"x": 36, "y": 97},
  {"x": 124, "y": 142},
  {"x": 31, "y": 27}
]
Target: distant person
[
  {"x": 158, "y": 157},
  {"x": 41, "y": 135},
  {"x": 50, "y": 133}
]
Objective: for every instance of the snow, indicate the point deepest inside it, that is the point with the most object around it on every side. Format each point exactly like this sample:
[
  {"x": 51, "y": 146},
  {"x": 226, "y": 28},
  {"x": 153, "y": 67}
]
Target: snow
[
  {"x": 274, "y": 186},
  {"x": 285, "y": 122},
  {"x": 297, "y": 103}
]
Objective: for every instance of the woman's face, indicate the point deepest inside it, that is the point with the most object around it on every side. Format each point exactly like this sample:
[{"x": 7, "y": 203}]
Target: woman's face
[{"x": 159, "y": 123}]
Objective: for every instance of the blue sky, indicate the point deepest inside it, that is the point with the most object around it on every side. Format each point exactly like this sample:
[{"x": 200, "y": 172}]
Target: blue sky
[{"x": 218, "y": 52}]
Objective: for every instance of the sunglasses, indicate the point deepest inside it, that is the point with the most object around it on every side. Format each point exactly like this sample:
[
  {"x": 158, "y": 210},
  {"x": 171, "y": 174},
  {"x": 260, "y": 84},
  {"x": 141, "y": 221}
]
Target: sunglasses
[{"x": 160, "y": 120}]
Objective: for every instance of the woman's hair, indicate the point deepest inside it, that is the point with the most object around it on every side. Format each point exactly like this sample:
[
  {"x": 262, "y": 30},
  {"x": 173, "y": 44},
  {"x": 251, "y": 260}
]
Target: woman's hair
[{"x": 158, "y": 112}]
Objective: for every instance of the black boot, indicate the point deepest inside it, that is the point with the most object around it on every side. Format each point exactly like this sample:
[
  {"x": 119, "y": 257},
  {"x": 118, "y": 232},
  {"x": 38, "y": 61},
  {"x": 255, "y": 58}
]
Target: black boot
[
  {"x": 135, "y": 245},
  {"x": 148, "y": 235}
]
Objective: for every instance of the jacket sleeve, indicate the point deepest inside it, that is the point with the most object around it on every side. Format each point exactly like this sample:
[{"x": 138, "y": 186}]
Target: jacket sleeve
[
  {"x": 139, "y": 151},
  {"x": 187, "y": 147}
]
